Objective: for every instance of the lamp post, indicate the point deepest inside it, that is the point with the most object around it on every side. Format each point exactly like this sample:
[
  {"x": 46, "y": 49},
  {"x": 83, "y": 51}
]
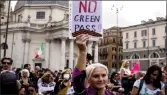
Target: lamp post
[
  {"x": 166, "y": 44},
  {"x": 6, "y": 35},
  {"x": 117, "y": 9},
  {"x": 1, "y": 6}
]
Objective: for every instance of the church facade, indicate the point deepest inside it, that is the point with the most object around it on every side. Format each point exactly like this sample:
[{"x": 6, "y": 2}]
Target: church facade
[{"x": 35, "y": 22}]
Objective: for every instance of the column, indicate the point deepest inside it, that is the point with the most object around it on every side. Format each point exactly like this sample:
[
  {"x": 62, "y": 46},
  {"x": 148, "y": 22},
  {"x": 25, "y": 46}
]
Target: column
[
  {"x": 96, "y": 52},
  {"x": 26, "y": 51},
  {"x": 47, "y": 53},
  {"x": 90, "y": 43},
  {"x": 63, "y": 47},
  {"x": 71, "y": 53}
]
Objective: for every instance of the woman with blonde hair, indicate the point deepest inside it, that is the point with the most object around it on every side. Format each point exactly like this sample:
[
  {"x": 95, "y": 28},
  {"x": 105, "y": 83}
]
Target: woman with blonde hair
[
  {"x": 96, "y": 74},
  {"x": 124, "y": 70},
  {"x": 126, "y": 77}
]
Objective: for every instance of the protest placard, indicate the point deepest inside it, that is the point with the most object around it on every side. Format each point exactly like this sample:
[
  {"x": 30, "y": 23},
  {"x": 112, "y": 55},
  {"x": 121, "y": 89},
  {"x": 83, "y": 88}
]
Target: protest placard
[{"x": 85, "y": 17}]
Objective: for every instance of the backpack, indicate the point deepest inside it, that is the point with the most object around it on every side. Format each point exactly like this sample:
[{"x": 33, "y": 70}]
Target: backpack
[
  {"x": 140, "y": 85},
  {"x": 8, "y": 81}
]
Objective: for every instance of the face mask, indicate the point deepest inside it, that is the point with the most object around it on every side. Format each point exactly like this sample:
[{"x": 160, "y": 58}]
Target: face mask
[{"x": 66, "y": 76}]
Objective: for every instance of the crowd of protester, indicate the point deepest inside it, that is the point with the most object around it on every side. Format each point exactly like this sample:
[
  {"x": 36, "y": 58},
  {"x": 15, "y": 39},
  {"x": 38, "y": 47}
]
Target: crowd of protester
[{"x": 84, "y": 79}]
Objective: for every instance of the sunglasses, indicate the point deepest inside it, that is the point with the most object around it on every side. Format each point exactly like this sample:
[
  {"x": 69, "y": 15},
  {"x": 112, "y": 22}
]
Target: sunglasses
[
  {"x": 7, "y": 63},
  {"x": 31, "y": 90}
]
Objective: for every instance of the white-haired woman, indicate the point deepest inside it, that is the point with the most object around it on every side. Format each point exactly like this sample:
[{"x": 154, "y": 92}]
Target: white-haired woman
[
  {"x": 25, "y": 82},
  {"x": 96, "y": 74}
]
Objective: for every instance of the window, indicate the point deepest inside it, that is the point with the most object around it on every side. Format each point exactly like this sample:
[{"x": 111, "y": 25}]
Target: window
[
  {"x": 135, "y": 34},
  {"x": 19, "y": 18},
  {"x": 165, "y": 29},
  {"x": 144, "y": 44},
  {"x": 144, "y": 33},
  {"x": 66, "y": 17},
  {"x": 153, "y": 43},
  {"x": 127, "y": 45},
  {"x": 127, "y": 35},
  {"x": 2, "y": 17},
  {"x": 113, "y": 40},
  {"x": 40, "y": 15},
  {"x": 144, "y": 56},
  {"x": 126, "y": 57},
  {"x": 153, "y": 31},
  {"x": 135, "y": 44},
  {"x": 135, "y": 56},
  {"x": 154, "y": 55}
]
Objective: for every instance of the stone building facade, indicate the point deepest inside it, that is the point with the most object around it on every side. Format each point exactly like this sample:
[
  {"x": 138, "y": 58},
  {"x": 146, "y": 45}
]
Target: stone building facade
[
  {"x": 36, "y": 22},
  {"x": 145, "y": 43},
  {"x": 107, "y": 48}
]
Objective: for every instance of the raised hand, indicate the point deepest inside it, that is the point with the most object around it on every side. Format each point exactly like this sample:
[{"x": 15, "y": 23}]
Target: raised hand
[{"x": 81, "y": 41}]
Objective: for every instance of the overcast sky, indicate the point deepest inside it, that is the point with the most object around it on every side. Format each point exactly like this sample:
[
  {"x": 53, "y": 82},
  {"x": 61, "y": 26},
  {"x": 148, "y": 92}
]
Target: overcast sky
[{"x": 133, "y": 12}]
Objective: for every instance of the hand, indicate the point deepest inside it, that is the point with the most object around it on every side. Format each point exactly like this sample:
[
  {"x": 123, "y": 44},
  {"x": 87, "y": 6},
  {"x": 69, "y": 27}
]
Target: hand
[
  {"x": 66, "y": 83},
  {"x": 26, "y": 84},
  {"x": 22, "y": 91},
  {"x": 81, "y": 41},
  {"x": 110, "y": 85}
]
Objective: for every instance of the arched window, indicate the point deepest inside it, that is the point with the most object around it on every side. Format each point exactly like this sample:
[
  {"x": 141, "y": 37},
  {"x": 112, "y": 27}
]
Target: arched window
[
  {"x": 135, "y": 56},
  {"x": 154, "y": 55}
]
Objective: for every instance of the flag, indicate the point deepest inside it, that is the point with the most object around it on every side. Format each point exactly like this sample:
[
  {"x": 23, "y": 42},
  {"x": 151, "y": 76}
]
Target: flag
[
  {"x": 136, "y": 68},
  {"x": 22, "y": 67},
  {"x": 40, "y": 51}
]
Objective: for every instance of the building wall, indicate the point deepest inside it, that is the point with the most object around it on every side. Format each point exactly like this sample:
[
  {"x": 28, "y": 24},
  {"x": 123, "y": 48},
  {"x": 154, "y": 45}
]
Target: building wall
[
  {"x": 160, "y": 34},
  {"x": 107, "y": 48},
  {"x": 36, "y": 38},
  {"x": 145, "y": 53},
  {"x": 56, "y": 13}
]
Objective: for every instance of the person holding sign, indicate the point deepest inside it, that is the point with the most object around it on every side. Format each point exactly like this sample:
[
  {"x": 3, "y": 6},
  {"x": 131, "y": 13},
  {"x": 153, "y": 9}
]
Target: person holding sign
[{"x": 96, "y": 74}]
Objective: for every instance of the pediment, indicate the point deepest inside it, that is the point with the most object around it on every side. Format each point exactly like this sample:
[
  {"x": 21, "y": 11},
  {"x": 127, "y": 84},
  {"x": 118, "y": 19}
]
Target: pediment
[{"x": 38, "y": 59}]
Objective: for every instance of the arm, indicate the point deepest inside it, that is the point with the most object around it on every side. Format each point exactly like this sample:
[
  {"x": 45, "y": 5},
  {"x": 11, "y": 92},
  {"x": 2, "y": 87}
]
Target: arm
[
  {"x": 116, "y": 86},
  {"x": 134, "y": 91},
  {"x": 81, "y": 41},
  {"x": 122, "y": 73},
  {"x": 163, "y": 91},
  {"x": 136, "y": 87},
  {"x": 79, "y": 74}
]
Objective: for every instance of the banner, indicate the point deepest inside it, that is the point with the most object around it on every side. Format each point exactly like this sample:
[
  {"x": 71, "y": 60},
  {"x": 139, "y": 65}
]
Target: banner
[{"x": 85, "y": 17}]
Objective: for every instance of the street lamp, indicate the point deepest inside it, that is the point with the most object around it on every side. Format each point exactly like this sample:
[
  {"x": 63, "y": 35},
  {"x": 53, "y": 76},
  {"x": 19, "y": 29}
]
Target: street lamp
[
  {"x": 117, "y": 9},
  {"x": 7, "y": 29},
  {"x": 1, "y": 7},
  {"x": 166, "y": 43}
]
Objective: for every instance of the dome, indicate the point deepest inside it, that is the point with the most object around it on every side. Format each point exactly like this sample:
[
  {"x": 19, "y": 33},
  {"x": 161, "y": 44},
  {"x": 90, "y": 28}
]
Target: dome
[{"x": 21, "y": 3}]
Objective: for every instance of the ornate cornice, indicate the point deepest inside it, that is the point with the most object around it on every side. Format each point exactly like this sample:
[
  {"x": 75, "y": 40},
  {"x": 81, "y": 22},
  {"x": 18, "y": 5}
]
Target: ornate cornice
[
  {"x": 48, "y": 40},
  {"x": 63, "y": 38}
]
